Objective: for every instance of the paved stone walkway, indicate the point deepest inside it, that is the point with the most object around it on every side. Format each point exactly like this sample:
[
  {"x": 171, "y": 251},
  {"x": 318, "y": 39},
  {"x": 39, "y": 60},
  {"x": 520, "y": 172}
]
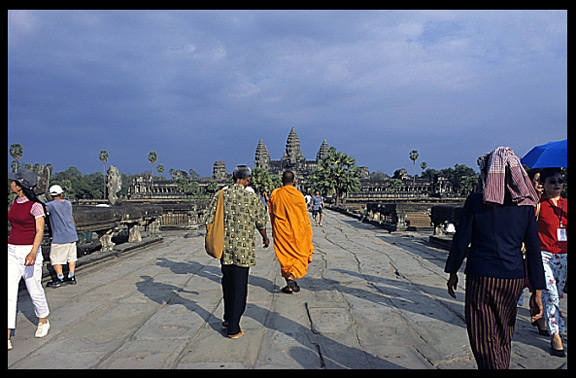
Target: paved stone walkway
[{"x": 371, "y": 299}]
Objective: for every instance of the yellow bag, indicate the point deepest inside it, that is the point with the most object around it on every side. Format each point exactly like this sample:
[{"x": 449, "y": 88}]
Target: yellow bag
[{"x": 214, "y": 241}]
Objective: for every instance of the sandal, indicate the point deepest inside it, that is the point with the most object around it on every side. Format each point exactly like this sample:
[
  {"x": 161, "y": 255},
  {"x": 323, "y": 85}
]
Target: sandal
[
  {"x": 287, "y": 290},
  {"x": 238, "y": 335},
  {"x": 293, "y": 285}
]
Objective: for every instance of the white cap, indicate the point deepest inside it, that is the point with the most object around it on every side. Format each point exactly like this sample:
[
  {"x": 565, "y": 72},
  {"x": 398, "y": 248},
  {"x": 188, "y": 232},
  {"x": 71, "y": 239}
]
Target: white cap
[{"x": 55, "y": 190}]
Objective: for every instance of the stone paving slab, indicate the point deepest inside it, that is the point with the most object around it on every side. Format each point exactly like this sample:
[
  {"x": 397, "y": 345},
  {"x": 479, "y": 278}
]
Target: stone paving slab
[{"x": 371, "y": 300}]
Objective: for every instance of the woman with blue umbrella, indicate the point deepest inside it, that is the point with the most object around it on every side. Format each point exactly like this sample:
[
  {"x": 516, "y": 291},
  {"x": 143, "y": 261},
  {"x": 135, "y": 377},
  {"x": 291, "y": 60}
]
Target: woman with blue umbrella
[{"x": 553, "y": 233}]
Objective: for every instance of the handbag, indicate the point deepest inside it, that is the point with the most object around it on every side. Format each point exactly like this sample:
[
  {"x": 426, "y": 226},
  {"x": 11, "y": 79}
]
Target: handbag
[{"x": 214, "y": 241}]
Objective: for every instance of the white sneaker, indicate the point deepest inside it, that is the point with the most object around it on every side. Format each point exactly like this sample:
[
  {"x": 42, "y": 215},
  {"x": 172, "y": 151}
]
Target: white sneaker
[
  {"x": 9, "y": 344},
  {"x": 42, "y": 329}
]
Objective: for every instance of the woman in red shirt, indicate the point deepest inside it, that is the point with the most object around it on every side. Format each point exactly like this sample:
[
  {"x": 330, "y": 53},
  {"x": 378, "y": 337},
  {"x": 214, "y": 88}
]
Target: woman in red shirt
[
  {"x": 553, "y": 232},
  {"x": 26, "y": 217}
]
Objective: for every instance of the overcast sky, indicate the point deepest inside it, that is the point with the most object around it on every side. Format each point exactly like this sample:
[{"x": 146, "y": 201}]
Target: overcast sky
[{"x": 202, "y": 86}]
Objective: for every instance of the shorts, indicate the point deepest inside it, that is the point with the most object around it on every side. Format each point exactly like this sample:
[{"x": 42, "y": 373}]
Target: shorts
[
  {"x": 317, "y": 211},
  {"x": 61, "y": 254}
]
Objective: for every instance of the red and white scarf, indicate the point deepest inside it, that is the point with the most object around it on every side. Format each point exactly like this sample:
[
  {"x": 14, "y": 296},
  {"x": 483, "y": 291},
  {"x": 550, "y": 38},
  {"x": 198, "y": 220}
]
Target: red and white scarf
[{"x": 493, "y": 173}]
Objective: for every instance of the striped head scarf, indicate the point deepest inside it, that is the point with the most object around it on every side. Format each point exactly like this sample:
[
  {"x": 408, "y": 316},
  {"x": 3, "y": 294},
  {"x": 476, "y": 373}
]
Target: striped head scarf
[{"x": 493, "y": 167}]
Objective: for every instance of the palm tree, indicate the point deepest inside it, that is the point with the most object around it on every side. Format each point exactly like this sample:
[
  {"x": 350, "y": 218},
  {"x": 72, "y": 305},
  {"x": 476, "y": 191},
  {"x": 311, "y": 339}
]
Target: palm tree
[
  {"x": 336, "y": 174},
  {"x": 414, "y": 157},
  {"x": 160, "y": 169},
  {"x": 16, "y": 151},
  {"x": 104, "y": 158},
  {"x": 152, "y": 158},
  {"x": 423, "y": 166}
]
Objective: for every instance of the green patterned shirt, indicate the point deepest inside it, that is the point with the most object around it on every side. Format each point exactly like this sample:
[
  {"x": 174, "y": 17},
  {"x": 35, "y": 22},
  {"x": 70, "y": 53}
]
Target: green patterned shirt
[{"x": 243, "y": 212}]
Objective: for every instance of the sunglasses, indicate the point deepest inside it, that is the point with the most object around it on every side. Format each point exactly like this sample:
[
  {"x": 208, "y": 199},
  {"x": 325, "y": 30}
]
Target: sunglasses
[{"x": 554, "y": 182}]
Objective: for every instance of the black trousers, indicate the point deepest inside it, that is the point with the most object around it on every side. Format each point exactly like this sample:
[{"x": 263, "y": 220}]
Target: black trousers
[{"x": 235, "y": 290}]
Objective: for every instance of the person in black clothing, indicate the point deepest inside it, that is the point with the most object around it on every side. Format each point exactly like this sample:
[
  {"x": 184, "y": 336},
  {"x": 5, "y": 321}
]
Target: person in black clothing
[{"x": 490, "y": 236}]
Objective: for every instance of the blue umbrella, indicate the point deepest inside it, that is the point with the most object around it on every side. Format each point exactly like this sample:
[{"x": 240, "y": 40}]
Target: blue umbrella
[{"x": 552, "y": 154}]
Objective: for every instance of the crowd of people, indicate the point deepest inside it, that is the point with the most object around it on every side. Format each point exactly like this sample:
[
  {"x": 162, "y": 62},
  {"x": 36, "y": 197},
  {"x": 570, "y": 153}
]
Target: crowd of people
[{"x": 513, "y": 235}]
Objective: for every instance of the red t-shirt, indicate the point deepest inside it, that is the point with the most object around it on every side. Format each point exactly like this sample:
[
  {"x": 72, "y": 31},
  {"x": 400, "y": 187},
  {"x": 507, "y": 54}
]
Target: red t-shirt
[{"x": 551, "y": 218}]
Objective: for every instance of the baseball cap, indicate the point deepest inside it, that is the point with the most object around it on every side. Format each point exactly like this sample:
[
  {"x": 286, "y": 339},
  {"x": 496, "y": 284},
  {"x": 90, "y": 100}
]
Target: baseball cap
[{"x": 55, "y": 190}]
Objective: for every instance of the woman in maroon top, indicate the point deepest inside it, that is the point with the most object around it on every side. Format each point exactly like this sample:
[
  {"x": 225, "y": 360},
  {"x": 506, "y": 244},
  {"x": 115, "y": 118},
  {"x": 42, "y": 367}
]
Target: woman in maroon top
[
  {"x": 26, "y": 217},
  {"x": 553, "y": 232}
]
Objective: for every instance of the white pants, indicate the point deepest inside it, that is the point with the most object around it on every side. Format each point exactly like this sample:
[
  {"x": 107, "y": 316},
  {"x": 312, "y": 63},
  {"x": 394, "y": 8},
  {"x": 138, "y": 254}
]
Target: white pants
[
  {"x": 32, "y": 277},
  {"x": 556, "y": 273}
]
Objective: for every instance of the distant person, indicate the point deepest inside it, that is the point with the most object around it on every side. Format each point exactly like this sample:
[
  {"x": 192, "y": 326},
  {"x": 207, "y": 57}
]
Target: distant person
[
  {"x": 291, "y": 231},
  {"x": 26, "y": 217},
  {"x": 64, "y": 237},
  {"x": 316, "y": 205},
  {"x": 491, "y": 229},
  {"x": 553, "y": 232},
  {"x": 264, "y": 198},
  {"x": 364, "y": 213},
  {"x": 534, "y": 175},
  {"x": 243, "y": 211}
]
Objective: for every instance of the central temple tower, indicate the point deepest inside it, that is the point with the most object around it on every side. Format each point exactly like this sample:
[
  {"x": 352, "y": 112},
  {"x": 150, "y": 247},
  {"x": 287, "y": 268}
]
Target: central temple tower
[{"x": 292, "y": 158}]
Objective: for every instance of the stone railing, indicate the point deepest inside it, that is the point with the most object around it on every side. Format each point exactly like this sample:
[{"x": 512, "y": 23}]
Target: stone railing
[
  {"x": 441, "y": 215},
  {"x": 107, "y": 222},
  {"x": 410, "y": 216},
  {"x": 400, "y": 216}
]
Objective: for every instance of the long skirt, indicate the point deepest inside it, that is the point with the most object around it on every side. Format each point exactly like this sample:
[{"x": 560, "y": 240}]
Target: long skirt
[{"x": 490, "y": 307}]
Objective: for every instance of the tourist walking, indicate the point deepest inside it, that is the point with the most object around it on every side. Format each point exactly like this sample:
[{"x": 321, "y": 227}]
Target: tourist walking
[
  {"x": 291, "y": 231},
  {"x": 243, "y": 211},
  {"x": 491, "y": 229},
  {"x": 316, "y": 205},
  {"x": 553, "y": 231},
  {"x": 26, "y": 217},
  {"x": 64, "y": 238}
]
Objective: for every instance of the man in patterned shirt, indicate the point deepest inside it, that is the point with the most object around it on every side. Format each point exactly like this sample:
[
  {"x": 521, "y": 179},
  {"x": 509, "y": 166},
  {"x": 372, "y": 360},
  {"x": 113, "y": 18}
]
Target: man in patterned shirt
[{"x": 243, "y": 211}]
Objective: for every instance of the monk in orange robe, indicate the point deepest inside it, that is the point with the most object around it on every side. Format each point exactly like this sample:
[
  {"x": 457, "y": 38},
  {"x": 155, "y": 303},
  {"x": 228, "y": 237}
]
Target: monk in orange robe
[{"x": 291, "y": 230}]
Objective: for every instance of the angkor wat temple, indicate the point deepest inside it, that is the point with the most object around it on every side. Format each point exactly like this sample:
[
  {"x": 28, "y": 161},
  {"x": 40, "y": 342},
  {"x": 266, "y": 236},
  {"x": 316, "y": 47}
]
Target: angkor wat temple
[{"x": 292, "y": 159}]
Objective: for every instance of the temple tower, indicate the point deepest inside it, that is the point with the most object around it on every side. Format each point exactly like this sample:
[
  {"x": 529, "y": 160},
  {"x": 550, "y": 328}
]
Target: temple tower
[
  {"x": 219, "y": 171},
  {"x": 323, "y": 151},
  {"x": 262, "y": 158},
  {"x": 292, "y": 157}
]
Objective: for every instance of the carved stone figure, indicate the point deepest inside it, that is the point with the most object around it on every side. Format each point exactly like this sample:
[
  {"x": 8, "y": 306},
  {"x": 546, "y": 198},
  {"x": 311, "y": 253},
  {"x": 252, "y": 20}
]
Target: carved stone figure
[{"x": 113, "y": 184}]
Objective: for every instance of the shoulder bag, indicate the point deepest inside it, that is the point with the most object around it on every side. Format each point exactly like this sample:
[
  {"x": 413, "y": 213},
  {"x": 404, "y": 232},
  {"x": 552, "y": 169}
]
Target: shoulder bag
[{"x": 214, "y": 241}]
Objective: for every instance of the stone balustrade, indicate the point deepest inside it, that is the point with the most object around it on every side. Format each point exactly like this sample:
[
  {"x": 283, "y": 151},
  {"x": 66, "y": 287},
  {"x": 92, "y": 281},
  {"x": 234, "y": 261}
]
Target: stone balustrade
[
  {"x": 410, "y": 216},
  {"x": 109, "y": 221}
]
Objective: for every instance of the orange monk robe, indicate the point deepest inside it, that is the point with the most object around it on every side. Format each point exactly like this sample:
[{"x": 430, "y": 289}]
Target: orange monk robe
[{"x": 291, "y": 230}]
